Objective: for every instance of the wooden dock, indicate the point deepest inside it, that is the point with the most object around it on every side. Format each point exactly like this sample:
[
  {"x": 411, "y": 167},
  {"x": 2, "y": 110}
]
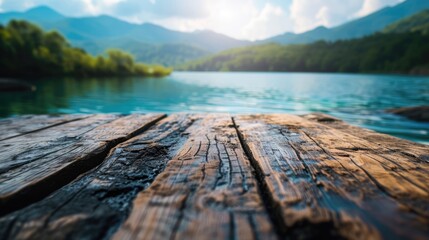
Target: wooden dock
[{"x": 187, "y": 176}]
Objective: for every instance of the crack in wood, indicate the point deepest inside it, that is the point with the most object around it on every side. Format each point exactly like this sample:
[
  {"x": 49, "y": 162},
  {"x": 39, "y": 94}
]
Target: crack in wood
[
  {"x": 260, "y": 177},
  {"x": 272, "y": 207},
  {"x": 37, "y": 191},
  {"x": 203, "y": 193},
  {"x": 94, "y": 206},
  {"x": 335, "y": 178}
]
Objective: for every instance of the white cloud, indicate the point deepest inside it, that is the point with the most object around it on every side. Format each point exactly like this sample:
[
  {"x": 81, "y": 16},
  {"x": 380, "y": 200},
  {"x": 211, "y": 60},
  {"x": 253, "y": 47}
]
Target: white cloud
[
  {"x": 370, "y": 6},
  {"x": 242, "y": 19},
  {"x": 161, "y": 9},
  {"x": 234, "y": 18},
  {"x": 238, "y": 18},
  {"x": 271, "y": 20},
  {"x": 96, "y": 7},
  {"x": 245, "y": 19},
  {"x": 308, "y": 14}
]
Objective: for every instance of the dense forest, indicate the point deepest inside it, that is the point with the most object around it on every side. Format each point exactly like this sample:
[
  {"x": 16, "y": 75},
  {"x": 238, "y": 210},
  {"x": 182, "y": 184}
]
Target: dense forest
[
  {"x": 392, "y": 51},
  {"x": 26, "y": 50},
  {"x": 415, "y": 23},
  {"x": 165, "y": 54}
]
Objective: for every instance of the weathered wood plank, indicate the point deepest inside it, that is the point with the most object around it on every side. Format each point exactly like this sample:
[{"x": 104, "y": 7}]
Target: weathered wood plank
[
  {"x": 328, "y": 183},
  {"x": 93, "y": 206},
  {"x": 17, "y": 126},
  {"x": 207, "y": 191},
  {"x": 33, "y": 165},
  {"x": 413, "y": 151},
  {"x": 407, "y": 160},
  {"x": 28, "y": 148},
  {"x": 317, "y": 177}
]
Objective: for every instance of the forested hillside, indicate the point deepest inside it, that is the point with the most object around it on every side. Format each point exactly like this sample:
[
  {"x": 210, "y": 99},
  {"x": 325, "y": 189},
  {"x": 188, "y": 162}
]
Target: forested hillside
[
  {"x": 398, "y": 50},
  {"x": 155, "y": 44},
  {"x": 357, "y": 28},
  {"x": 26, "y": 50},
  {"x": 415, "y": 23},
  {"x": 95, "y": 34}
]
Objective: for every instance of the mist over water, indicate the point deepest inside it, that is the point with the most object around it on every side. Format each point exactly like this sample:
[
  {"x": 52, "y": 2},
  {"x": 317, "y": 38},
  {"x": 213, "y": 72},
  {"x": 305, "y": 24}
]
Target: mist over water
[{"x": 358, "y": 99}]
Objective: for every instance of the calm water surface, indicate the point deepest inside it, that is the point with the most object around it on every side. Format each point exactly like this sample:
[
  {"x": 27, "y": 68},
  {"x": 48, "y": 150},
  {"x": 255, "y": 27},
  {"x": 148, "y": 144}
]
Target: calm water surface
[{"x": 357, "y": 99}]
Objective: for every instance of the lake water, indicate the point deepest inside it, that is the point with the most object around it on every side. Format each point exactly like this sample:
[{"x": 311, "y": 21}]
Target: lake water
[{"x": 357, "y": 99}]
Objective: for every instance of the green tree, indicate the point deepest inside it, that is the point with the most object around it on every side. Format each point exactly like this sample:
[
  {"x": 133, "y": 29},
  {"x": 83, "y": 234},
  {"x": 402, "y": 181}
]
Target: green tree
[{"x": 26, "y": 50}]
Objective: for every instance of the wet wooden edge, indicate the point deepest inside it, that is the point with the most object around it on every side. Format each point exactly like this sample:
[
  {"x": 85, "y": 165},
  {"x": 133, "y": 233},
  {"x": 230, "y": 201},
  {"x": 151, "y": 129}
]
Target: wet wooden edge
[
  {"x": 414, "y": 151},
  {"x": 18, "y": 126},
  {"x": 310, "y": 174},
  {"x": 33, "y": 169},
  {"x": 94, "y": 205}
]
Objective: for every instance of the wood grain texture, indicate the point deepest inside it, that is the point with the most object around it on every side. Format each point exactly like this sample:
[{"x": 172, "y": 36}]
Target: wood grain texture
[
  {"x": 34, "y": 164},
  {"x": 17, "y": 126},
  {"x": 191, "y": 176},
  {"x": 404, "y": 160},
  {"x": 325, "y": 182},
  {"x": 93, "y": 206},
  {"x": 207, "y": 191},
  {"x": 413, "y": 151}
]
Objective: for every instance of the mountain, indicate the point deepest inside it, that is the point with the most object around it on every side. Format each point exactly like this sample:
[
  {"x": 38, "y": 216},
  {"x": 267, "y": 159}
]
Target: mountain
[
  {"x": 416, "y": 23},
  {"x": 156, "y": 44},
  {"x": 164, "y": 54},
  {"x": 28, "y": 51},
  {"x": 361, "y": 27},
  {"x": 378, "y": 53},
  {"x": 306, "y": 37},
  {"x": 106, "y": 27},
  {"x": 40, "y": 14},
  {"x": 96, "y": 34}
]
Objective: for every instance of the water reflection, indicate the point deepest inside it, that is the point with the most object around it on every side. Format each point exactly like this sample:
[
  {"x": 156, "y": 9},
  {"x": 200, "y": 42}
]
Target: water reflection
[{"x": 358, "y": 99}]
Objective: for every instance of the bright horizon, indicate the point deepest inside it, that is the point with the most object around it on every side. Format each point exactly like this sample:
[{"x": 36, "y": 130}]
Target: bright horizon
[{"x": 255, "y": 20}]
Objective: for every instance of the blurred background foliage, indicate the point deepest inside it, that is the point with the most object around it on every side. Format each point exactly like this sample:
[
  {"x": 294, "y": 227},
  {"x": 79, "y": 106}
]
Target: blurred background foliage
[
  {"x": 27, "y": 50},
  {"x": 400, "y": 48}
]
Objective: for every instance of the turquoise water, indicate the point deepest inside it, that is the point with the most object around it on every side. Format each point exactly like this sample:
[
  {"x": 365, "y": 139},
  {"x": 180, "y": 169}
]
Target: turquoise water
[{"x": 357, "y": 99}]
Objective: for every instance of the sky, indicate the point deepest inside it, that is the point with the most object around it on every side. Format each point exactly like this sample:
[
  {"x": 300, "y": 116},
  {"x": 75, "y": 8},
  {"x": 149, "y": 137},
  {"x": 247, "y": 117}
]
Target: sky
[{"x": 242, "y": 19}]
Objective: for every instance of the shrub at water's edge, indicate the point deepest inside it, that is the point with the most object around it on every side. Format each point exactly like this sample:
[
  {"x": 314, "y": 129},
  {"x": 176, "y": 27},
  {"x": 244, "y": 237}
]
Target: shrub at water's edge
[{"x": 26, "y": 50}]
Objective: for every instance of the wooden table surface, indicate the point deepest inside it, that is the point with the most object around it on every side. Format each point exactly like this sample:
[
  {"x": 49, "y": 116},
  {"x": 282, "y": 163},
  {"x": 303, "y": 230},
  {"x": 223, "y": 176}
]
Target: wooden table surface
[{"x": 208, "y": 176}]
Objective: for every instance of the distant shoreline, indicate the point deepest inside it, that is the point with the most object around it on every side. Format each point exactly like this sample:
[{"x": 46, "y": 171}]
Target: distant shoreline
[
  {"x": 12, "y": 85},
  {"x": 298, "y": 72}
]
